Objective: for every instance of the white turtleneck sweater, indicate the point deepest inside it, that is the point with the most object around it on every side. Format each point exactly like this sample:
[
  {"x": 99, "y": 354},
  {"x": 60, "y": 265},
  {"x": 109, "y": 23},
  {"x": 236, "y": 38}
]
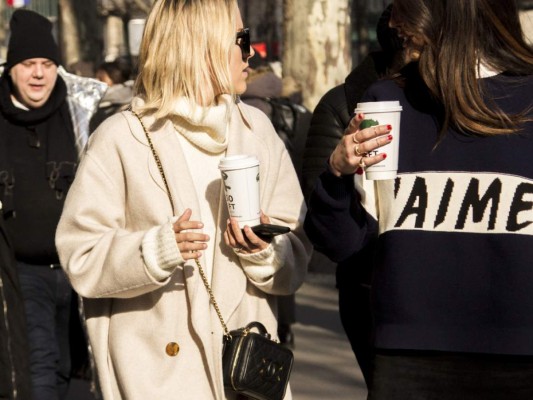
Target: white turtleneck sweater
[{"x": 202, "y": 132}]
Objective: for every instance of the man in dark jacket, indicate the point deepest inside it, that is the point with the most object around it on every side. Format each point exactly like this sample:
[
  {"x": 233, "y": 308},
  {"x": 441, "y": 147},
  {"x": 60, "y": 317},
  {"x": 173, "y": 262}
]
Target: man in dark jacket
[
  {"x": 330, "y": 117},
  {"x": 38, "y": 158}
]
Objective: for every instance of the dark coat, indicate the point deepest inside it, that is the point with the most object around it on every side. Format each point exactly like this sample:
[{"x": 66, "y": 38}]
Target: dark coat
[
  {"x": 14, "y": 364},
  {"x": 330, "y": 117}
]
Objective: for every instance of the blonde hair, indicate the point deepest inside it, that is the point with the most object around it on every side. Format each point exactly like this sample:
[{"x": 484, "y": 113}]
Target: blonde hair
[{"x": 185, "y": 52}]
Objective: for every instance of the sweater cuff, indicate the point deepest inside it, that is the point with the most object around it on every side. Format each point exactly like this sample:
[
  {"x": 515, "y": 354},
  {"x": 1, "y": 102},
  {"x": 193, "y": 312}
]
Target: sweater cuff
[
  {"x": 338, "y": 187},
  {"x": 160, "y": 251},
  {"x": 261, "y": 266}
]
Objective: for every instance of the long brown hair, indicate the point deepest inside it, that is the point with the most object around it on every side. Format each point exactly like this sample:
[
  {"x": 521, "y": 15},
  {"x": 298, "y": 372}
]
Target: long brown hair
[{"x": 452, "y": 37}]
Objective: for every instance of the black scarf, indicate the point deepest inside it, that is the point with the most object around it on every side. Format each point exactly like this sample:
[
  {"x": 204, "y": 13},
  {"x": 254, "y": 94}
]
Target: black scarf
[{"x": 52, "y": 122}]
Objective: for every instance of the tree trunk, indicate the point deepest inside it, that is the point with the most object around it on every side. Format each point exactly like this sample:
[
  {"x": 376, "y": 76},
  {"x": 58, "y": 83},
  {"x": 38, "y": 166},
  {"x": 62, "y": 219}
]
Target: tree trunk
[
  {"x": 69, "y": 36},
  {"x": 526, "y": 17},
  {"x": 316, "y": 45}
]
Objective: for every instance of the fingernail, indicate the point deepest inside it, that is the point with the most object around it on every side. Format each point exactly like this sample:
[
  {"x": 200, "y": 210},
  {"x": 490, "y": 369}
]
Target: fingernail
[
  {"x": 389, "y": 137},
  {"x": 384, "y": 156},
  {"x": 359, "y": 116},
  {"x": 389, "y": 127},
  {"x": 359, "y": 171}
]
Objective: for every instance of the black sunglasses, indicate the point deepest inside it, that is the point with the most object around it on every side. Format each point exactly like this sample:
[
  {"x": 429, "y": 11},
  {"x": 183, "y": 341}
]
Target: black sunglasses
[{"x": 243, "y": 41}]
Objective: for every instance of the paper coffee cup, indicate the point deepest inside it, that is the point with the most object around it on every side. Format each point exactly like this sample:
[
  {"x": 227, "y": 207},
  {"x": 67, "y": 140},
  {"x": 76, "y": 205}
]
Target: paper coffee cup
[
  {"x": 383, "y": 113},
  {"x": 240, "y": 176}
]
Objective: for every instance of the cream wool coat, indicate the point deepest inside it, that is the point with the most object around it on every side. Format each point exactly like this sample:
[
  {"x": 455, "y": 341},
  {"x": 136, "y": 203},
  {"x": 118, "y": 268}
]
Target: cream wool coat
[{"x": 132, "y": 314}]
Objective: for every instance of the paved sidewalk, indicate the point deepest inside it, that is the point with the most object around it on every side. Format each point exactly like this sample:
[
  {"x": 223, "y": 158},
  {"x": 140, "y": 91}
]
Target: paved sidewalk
[{"x": 324, "y": 366}]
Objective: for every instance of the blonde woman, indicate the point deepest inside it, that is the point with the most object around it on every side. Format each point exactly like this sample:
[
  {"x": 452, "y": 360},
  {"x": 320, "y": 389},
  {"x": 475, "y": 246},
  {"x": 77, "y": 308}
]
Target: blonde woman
[{"x": 154, "y": 332}]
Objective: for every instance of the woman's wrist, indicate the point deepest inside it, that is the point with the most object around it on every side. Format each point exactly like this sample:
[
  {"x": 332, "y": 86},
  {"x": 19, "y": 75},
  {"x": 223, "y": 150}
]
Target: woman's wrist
[{"x": 335, "y": 171}]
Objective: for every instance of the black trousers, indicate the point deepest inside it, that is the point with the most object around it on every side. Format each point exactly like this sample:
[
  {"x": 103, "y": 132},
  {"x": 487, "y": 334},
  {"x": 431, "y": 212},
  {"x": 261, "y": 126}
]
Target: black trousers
[
  {"x": 415, "y": 375},
  {"x": 47, "y": 302},
  {"x": 356, "y": 319},
  {"x": 353, "y": 282}
]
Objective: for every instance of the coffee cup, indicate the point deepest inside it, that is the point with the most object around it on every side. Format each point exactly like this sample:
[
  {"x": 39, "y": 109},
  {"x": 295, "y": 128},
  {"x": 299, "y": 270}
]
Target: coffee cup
[
  {"x": 240, "y": 176},
  {"x": 383, "y": 113}
]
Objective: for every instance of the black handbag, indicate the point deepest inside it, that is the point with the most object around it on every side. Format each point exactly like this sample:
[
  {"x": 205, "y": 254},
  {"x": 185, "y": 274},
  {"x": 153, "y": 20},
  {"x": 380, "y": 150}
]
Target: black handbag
[{"x": 254, "y": 365}]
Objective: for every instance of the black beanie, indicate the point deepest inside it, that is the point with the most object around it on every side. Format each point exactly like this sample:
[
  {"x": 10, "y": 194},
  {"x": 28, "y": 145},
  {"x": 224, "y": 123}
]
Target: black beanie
[
  {"x": 388, "y": 37},
  {"x": 30, "y": 37}
]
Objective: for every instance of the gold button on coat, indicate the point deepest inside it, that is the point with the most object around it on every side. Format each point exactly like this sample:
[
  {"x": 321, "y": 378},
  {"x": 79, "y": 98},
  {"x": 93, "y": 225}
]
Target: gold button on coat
[{"x": 172, "y": 349}]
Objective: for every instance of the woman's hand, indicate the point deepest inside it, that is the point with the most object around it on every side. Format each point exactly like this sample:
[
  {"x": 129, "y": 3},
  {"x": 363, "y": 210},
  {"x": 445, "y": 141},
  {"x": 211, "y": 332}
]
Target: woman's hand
[
  {"x": 190, "y": 243},
  {"x": 356, "y": 150},
  {"x": 245, "y": 240}
]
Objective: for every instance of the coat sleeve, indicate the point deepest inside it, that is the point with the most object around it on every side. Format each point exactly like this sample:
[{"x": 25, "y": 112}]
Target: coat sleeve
[
  {"x": 282, "y": 201},
  {"x": 336, "y": 222},
  {"x": 101, "y": 255}
]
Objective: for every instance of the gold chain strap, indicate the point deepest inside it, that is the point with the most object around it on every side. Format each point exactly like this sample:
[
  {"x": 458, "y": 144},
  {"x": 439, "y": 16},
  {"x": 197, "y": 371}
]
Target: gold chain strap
[
  {"x": 212, "y": 297},
  {"x": 202, "y": 274}
]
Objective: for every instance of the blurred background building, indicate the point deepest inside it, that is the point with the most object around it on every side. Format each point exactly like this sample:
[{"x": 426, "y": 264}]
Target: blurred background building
[
  {"x": 89, "y": 31},
  {"x": 322, "y": 40}
]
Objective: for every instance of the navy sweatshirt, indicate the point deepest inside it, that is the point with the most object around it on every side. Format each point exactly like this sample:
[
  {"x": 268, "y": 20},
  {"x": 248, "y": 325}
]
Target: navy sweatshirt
[{"x": 454, "y": 266}]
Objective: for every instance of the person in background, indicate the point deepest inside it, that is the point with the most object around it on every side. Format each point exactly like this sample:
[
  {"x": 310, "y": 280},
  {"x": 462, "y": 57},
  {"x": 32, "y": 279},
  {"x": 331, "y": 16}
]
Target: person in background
[
  {"x": 116, "y": 75},
  {"x": 142, "y": 218},
  {"x": 452, "y": 278},
  {"x": 274, "y": 96},
  {"x": 15, "y": 369},
  {"x": 38, "y": 159},
  {"x": 330, "y": 118},
  {"x": 262, "y": 83}
]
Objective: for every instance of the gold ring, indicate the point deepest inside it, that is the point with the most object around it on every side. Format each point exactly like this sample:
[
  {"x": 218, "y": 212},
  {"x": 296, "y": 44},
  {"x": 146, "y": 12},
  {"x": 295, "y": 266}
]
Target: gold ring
[
  {"x": 377, "y": 142},
  {"x": 354, "y": 139},
  {"x": 357, "y": 153},
  {"x": 375, "y": 131},
  {"x": 362, "y": 163}
]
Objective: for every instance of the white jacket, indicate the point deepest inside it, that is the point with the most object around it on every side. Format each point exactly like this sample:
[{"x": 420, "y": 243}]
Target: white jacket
[{"x": 117, "y": 196}]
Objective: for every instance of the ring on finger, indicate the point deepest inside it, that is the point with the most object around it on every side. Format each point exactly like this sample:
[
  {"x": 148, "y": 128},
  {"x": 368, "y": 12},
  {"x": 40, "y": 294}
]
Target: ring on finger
[
  {"x": 357, "y": 152},
  {"x": 362, "y": 163},
  {"x": 377, "y": 142},
  {"x": 355, "y": 139},
  {"x": 237, "y": 249}
]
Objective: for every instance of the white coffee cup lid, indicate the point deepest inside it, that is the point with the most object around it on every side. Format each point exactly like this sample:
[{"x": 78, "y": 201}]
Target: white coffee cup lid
[
  {"x": 378, "y": 106},
  {"x": 238, "y": 162}
]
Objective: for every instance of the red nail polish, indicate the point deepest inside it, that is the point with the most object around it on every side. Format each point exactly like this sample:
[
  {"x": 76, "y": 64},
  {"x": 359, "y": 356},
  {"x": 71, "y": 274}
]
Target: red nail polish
[
  {"x": 359, "y": 171},
  {"x": 389, "y": 127},
  {"x": 359, "y": 116},
  {"x": 384, "y": 156},
  {"x": 389, "y": 137}
]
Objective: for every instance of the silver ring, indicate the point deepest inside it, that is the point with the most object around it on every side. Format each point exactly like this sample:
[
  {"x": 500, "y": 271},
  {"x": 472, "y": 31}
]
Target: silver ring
[
  {"x": 356, "y": 150},
  {"x": 237, "y": 249},
  {"x": 354, "y": 139},
  {"x": 362, "y": 163}
]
